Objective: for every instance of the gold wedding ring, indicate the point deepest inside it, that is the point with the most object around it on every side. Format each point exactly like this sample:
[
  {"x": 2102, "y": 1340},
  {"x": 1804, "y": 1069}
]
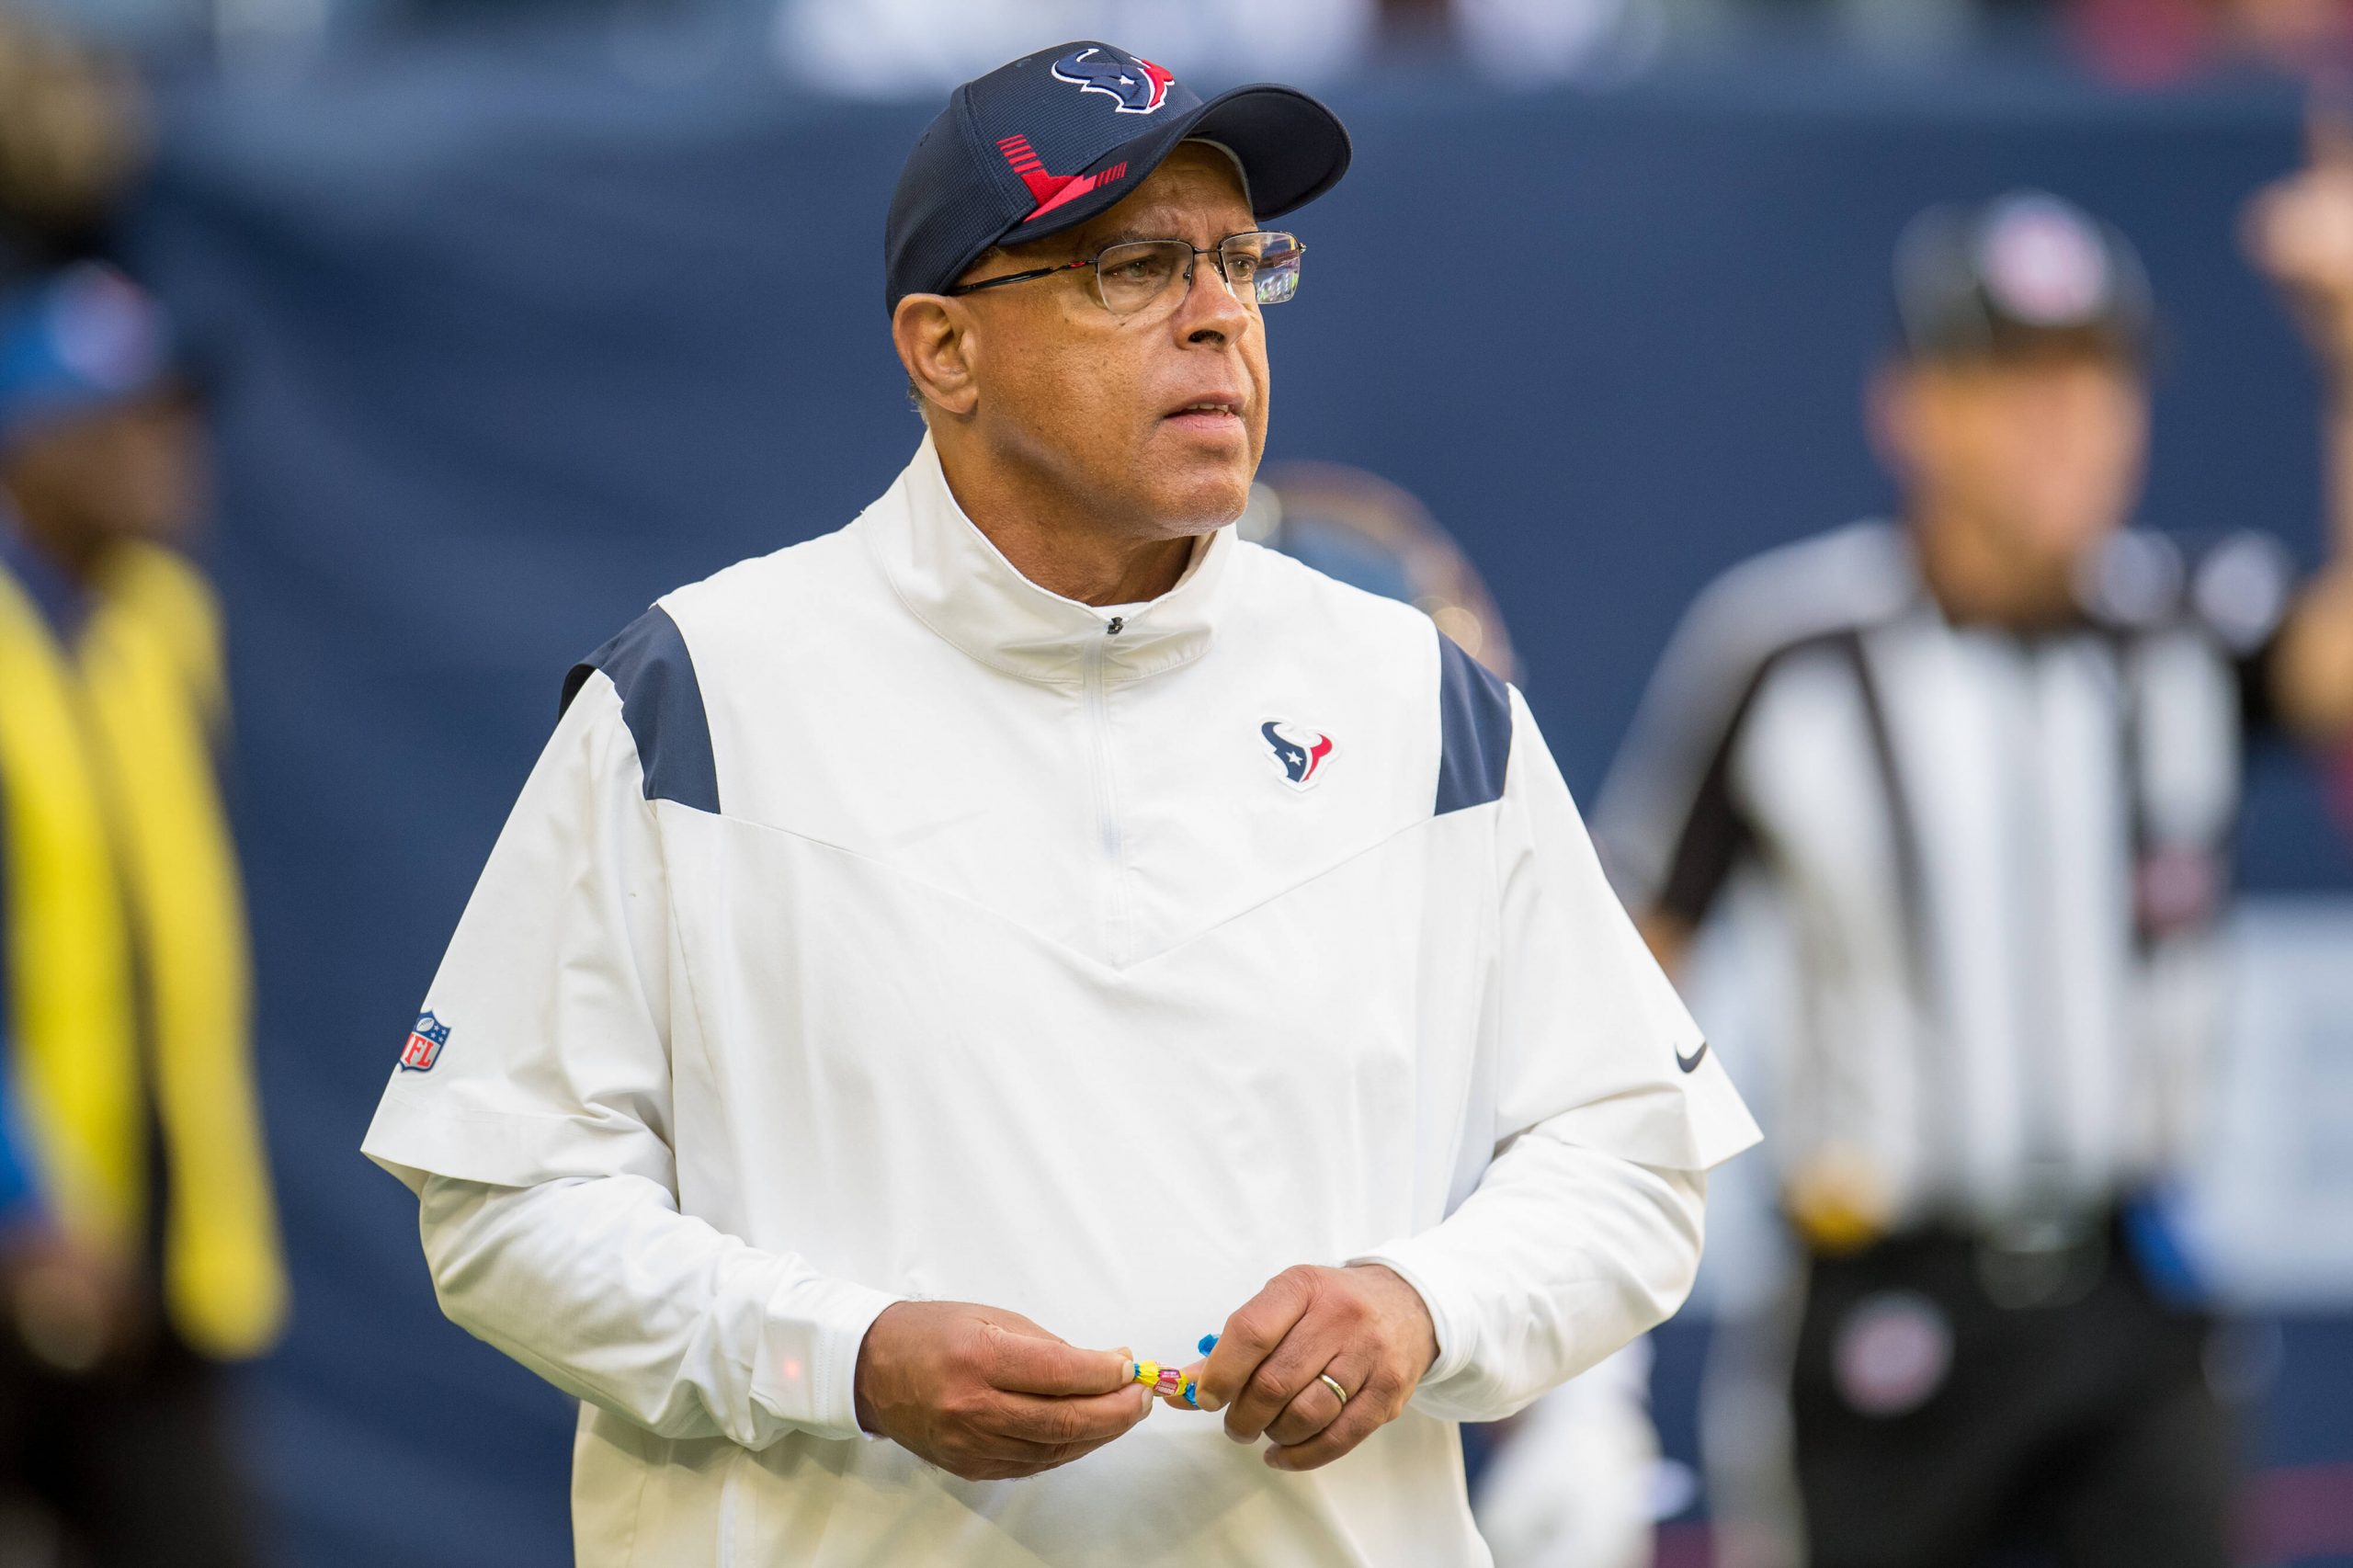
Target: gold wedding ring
[{"x": 1329, "y": 1381}]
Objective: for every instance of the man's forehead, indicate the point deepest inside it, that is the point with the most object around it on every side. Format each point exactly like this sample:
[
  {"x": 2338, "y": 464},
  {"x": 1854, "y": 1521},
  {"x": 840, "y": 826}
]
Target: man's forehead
[{"x": 1198, "y": 192}]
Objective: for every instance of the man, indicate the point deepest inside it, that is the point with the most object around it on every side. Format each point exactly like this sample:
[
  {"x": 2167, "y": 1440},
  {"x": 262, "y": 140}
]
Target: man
[
  {"x": 1988, "y": 758},
  {"x": 141, "y": 1247},
  {"x": 1030, "y": 913}
]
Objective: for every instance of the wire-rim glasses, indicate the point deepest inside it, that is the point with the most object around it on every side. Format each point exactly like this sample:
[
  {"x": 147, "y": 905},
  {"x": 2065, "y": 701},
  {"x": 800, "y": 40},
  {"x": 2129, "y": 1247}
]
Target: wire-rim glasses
[{"x": 1260, "y": 267}]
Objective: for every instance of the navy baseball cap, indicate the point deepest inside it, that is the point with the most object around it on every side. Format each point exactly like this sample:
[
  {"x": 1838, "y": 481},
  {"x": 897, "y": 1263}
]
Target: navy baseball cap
[
  {"x": 2022, "y": 270},
  {"x": 1045, "y": 143}
]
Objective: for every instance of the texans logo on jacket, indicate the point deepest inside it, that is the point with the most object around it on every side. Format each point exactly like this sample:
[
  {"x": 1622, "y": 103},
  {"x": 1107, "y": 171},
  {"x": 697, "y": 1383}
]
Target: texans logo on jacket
[{"x": 1298, "y": 750}]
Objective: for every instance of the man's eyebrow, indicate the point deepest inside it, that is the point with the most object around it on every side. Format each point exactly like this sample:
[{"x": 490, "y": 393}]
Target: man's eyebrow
[
  {"x": 1124, "y": 234},
  {"x": 1151, "y": 223}
]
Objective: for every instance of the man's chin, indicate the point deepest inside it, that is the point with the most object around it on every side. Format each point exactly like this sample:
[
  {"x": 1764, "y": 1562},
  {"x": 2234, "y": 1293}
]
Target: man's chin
[
  {"x": 2066, "y": 554},
  {"x": 1203, "y": 517},
  {"x": 1199, "y": 506}
]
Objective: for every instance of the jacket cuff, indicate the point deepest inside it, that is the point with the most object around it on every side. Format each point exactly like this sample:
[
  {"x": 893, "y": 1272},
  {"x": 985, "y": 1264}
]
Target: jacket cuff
[
  {"x": 809, "y": 1356},
  {"x": 1415, "y": 1260}
]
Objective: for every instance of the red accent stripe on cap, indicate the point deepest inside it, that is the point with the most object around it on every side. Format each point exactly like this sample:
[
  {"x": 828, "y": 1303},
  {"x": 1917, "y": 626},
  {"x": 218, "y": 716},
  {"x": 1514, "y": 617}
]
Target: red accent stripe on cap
[{"x": 1072, "y": 190}]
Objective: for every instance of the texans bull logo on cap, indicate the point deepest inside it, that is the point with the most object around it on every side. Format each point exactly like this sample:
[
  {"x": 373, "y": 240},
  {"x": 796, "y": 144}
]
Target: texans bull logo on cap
[{"x": 1135, "y": 85}]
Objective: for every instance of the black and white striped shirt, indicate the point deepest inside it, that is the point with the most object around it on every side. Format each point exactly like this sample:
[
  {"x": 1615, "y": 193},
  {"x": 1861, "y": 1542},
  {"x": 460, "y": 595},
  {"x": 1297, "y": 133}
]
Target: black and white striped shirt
[{"x": 2001, "y": 855}]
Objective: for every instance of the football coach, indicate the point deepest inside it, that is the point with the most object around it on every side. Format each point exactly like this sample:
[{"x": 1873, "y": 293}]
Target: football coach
[{"x": 936, "y": 965}]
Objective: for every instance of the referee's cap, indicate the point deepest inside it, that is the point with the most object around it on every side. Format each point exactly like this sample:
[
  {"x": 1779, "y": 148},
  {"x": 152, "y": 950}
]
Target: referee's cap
[
  {"x": 1045, "y": 143},
  {"x": 2024, "y": 270}
]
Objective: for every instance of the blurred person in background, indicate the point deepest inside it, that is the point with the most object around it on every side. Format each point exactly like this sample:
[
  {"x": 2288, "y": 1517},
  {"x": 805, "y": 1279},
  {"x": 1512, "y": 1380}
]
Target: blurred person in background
[
  {"x": 1988, "y": 758},
  {"x": 1573, "y": 1478},
  {"x": 73, "y": 127},
  {"x": 139, "y": 1245}
]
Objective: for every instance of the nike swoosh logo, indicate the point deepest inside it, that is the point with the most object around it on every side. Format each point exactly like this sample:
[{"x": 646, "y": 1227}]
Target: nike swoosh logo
[{"x": 1691, "y": 1063}]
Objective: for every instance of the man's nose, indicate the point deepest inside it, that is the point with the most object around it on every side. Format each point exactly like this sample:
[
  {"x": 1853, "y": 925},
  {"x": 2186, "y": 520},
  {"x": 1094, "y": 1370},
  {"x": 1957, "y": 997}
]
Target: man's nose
[{"x": 1211, "y": 308}]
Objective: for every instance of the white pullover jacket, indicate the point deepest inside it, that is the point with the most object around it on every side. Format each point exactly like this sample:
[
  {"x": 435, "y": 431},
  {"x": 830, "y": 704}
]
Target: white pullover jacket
[{"x": 879, "y": 925}]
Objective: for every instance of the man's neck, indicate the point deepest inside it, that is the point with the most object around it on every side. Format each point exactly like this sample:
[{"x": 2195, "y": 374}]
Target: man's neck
[
  {"x": 1976, "y": 579},
  {"x": 1064, "y": 547}
]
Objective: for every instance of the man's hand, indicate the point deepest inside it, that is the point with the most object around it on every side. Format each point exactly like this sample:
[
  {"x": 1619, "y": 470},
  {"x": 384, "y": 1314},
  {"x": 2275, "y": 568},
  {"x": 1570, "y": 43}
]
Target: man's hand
[
  {"x": 1363, "y": 1327},
  {"x": 988, "y": 1395},
  {"x": 2299, "y": 231}
]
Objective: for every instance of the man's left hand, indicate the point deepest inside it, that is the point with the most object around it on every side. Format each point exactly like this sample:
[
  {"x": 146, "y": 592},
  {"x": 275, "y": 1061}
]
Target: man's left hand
[
  {"x": 2299, "y": 231},
  {"x": 1363, "y": 1327}
]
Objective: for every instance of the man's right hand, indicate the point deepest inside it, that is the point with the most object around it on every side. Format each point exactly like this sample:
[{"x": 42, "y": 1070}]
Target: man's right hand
[{"x": 988, "y": 1395}]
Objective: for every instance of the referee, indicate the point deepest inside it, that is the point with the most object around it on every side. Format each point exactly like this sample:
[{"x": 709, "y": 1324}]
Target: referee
[{"x": 1987, "y": 758}]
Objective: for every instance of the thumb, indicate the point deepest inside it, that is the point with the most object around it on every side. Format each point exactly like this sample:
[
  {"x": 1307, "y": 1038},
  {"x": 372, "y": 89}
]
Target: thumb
[
  {"x": 1045, "y": 1365},
  {"x": 1189, "y": 1375}
]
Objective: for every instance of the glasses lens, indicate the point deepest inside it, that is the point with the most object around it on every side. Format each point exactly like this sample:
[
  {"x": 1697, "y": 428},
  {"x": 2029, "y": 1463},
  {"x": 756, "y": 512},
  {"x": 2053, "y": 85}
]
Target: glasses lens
[
  {"x": 1267, "y": 264},
  {"x": 1133, "y": 275}
]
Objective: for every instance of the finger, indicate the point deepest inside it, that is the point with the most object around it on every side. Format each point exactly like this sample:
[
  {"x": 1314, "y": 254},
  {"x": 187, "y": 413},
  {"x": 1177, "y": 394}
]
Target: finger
[
  {"x": 1364, "y": 1414},
  {"x": 984, "y": 1456},
  {"x": 1315, "y": 1406},
  {"x": 1192, "y": 1374},
  {"x": 1044, "y": 1364},
  {"x": 1284, "y": 1375},
  {"x": 976, "y": 1441},
  {"x": 1089, "y": 1418},
  {"x": 1032, "y": 1459},
  {"x": 1311, "y": 1409},
  {"x": 1256, "y": 1327}
]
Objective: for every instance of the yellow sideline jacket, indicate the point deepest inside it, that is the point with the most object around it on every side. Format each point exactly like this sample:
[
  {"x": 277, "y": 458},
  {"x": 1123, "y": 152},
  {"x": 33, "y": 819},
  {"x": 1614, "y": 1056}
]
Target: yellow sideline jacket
[{"x": 124, "y": 956}]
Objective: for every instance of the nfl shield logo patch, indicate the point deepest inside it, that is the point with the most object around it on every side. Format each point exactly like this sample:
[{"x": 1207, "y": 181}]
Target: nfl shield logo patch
[{"x": 425, "y": 1043}]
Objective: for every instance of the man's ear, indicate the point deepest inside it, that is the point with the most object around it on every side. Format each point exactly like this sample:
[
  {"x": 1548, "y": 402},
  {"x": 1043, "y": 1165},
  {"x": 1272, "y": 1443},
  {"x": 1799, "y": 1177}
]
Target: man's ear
[{"x": 935, "y": 338}]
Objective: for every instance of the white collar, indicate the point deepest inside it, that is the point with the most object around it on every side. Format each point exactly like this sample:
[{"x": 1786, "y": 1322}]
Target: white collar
[{"x": 957, "y": 583}]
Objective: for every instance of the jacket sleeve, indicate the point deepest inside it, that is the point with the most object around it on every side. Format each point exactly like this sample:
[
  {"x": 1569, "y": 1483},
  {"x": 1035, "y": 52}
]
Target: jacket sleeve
[
  {"x": 603, "y": 1287},
  {"x": 1584, "y": 1229},
  {"x": 532, "y": 1116}
]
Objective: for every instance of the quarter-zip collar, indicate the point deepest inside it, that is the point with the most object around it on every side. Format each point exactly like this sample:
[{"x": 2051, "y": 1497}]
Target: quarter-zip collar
[{"x": 956, "y": 582}]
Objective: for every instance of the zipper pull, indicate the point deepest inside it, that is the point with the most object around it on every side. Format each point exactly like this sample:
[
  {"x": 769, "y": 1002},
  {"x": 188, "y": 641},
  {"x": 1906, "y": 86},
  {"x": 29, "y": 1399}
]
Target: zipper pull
[{"x": 1118, "y": 624}]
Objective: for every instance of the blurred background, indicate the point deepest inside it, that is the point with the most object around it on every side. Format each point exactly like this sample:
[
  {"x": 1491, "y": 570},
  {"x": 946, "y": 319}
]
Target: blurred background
[{"x": 489, "y": 319}]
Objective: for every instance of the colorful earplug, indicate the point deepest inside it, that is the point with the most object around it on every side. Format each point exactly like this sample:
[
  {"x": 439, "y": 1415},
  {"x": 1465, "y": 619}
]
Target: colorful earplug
[{"x": 1168, "y": 1383}]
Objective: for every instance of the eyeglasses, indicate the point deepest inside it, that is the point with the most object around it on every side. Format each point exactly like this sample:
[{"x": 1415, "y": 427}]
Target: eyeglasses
[{"x": 1139, "y": 274}]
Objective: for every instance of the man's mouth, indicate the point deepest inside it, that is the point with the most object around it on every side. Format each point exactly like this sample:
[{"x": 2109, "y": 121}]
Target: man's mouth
[{"x": 1207, "y": 413}]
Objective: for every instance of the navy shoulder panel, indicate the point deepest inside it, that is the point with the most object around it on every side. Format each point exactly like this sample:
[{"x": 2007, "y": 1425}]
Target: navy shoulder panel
[
  {"x": 662, "y": 704},
  {"x": 1474, "y": 730}
]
